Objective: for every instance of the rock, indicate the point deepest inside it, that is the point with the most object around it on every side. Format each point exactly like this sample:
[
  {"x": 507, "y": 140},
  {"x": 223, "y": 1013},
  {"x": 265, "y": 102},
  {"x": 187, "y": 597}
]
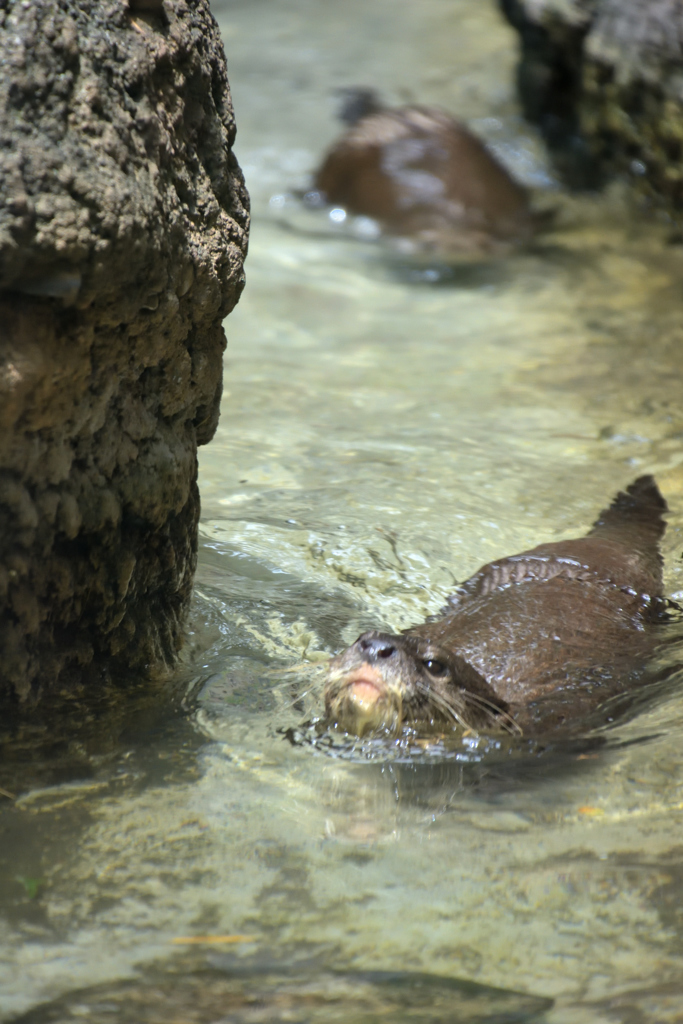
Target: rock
[
  {"x": 603, "y": 79},
  {"x": 123, "y": 230}
]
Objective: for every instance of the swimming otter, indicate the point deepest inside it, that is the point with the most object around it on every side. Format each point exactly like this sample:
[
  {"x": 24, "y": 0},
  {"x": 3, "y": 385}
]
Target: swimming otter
[
  {"x": 529, "y": 644},
  {"x": 425, "y": 177}
]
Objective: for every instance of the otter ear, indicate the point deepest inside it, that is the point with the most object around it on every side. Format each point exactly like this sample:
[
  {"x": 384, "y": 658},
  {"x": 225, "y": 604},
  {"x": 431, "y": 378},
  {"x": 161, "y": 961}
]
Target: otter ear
[{"x": 469, "y": 679}]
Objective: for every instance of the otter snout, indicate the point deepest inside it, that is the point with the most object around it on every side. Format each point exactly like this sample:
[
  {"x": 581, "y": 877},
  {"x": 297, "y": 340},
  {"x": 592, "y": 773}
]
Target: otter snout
[{"x": 361, "y": 693}]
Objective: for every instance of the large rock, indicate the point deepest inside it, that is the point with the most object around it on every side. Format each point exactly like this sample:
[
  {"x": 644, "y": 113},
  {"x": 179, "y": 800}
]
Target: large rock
[
  {"x": 123, "y": 230},
  {"x": 603, "y": 79}
]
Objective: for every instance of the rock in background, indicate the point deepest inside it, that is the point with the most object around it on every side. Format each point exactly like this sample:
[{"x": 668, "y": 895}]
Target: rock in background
[
  {"x": 603, "y": 79},
  {"x": 123, "y": 230}
]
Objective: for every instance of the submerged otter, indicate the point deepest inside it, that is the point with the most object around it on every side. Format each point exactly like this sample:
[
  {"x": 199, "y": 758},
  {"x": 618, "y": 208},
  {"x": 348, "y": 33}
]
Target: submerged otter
[
  {"x": 425, "y": 178},
  {"x": 530, "y": 644}
]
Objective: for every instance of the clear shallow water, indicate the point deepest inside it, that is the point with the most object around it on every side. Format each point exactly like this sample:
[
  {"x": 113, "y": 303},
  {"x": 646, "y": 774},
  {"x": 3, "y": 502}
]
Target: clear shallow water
[{"x": 380, "y": 439}]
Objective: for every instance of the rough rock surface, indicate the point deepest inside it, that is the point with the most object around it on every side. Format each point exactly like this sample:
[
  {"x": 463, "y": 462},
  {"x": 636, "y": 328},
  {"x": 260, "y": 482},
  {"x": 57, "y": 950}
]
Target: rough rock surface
[
  {"x": 123, "y": 230},
  {"x": 603, "y": 79}
]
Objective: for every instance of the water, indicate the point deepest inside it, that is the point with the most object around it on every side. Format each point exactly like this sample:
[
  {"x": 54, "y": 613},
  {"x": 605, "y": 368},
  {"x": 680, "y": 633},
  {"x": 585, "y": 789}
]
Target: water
[{"x": 381, "y": 437}]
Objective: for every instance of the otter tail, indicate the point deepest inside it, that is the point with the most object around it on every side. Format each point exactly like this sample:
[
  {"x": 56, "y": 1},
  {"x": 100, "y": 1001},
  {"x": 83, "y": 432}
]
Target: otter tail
[{"x": 635, "y": 517}]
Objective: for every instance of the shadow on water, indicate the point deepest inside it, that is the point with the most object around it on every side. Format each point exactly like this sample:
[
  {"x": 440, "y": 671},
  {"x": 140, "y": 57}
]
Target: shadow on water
[
  {"x": 255, "y": 991},
  {"x": 310, "y": 994},
  {"x": 258, "y": 993},
  {"x": 485, "y": 769},
  {"x": 81, "y": 736}
]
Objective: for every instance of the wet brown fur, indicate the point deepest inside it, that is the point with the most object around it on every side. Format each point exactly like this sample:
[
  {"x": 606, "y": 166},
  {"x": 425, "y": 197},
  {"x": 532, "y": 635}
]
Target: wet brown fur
[
  {"x": 424, "y": 176},
  {"x": 529, "y": 644}
]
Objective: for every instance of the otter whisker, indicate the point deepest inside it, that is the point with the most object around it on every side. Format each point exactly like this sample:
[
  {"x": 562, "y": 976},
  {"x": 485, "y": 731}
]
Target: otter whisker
[
  {"x": 278, "y": 672},
  {"x": 300, "y": 696},
  {"x": 441, "y": 702},
  {"x": 507, "y": 721},
  {"x": 300, "y": 666}
]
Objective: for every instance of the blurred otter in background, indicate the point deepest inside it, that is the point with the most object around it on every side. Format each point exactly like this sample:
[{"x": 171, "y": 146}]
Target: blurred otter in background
[{"x": 425, "y": 178}]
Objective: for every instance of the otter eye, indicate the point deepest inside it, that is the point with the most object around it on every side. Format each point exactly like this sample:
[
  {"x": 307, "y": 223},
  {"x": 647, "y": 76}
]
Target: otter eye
[{"x": 435, "y": 668}]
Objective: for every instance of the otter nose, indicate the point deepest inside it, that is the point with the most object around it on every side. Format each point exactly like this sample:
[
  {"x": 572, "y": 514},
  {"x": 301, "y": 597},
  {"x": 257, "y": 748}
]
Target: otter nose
[{"x": 376, "y": 647}]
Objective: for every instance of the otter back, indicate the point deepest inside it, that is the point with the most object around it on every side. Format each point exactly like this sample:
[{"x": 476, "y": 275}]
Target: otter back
[{"x": 570, "y": 619}]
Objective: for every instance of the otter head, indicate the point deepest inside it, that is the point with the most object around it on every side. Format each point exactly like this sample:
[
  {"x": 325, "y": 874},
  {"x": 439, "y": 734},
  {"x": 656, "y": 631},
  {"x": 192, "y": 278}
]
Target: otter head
[{"x": 383, "y": 683}]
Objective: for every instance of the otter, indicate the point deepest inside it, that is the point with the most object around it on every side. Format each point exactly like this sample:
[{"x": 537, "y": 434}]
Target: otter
[
  {"x": 531, "y": 644},
  {"x": 423, "y": 176}
]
